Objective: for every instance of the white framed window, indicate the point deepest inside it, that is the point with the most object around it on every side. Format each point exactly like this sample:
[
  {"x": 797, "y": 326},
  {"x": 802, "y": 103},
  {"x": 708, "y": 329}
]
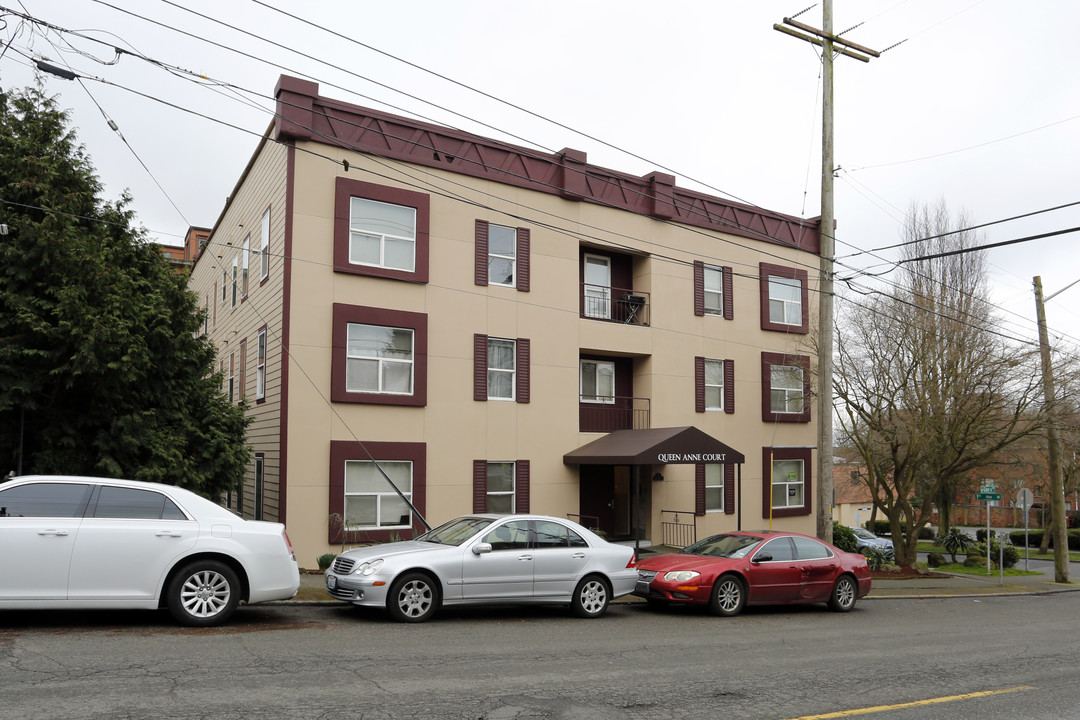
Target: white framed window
[
  {"x": 597, "y": 286},
  {"x": 714, "y": 488},
  {"x": 786, "y": 386},
  {"x": 785, "y": 301},
  {"x": 232, "y": 377},
  {"x": 260, "y": 367},
  {"x": 382, "y": 234},
  {"x": 598, "y": 381},
  {"x": 502, "y": 255},
  {"x": 501, "y": 370},
  {"x": 235, "y": 278},
  {"x": 714, "y": 290},
  {"x": 788, "y": 484},
  {"x": 370, "y": 501},
  {"x": 260, "y": 476},
  {"x": 500, "y": 487},
  {"x": 224, "y": 284},
  {"x": 264, "y": 246},
  {"x": 714, "y": 385},
  {"x": 379, "y": 359},
  {"x": 246, "y": 255}
]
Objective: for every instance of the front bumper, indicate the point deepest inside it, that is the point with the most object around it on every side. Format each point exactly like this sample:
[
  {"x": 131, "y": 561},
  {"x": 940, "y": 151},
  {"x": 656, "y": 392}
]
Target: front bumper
[{"x": 369, "y": 591}]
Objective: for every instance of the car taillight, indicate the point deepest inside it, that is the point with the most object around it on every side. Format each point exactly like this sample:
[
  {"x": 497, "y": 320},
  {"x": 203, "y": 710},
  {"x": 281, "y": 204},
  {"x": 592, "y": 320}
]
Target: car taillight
[
  {"x": 633, "y": 561},
  {"x": 288, "y": 545}
]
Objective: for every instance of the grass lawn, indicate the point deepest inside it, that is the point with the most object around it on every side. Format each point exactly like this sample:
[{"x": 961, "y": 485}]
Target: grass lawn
[
  {"x": 1033, "y": 553},
  {"x": 981, "y": 571}
]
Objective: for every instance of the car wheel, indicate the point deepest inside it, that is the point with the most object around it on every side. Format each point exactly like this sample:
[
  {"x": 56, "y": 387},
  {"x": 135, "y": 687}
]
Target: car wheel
[
  {"x": 412, "y": 598},
  {"x": 591, "y": 597},
  {"x": 203, "y": 593},
  {"x": 728, "y": 596},
  {"x": 844, "y": 594}
]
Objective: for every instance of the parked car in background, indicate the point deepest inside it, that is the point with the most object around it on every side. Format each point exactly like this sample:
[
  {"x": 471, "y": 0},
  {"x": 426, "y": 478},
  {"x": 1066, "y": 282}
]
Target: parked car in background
[
  {"x": 866, "y": 540},
  {"x": 486, "y": 559},
  {"x": 70, "y": 542},
  {"x": 727, "y": 572}
]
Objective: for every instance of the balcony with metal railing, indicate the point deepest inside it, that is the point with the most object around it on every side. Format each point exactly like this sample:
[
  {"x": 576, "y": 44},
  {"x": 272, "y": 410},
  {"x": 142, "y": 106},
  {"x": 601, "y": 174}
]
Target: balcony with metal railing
[
  {"x": 617, "y": 305},
  {"x": 610, "y": 413}
]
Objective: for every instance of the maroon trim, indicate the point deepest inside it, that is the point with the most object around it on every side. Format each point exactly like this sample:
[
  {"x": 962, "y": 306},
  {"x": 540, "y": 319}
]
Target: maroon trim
[
  {"x": 803, "y": 454},
  {"x": 522, "y": 472},
  {"x": 481, "y": 260},
  {"x": 729, "y": 387},
  {"x": 346, "y": 188},
  {"x": 523, "y": 245},
  {"x": 699, "y": 289},
  {"x": 699, "y": 384},
  {"x": 769, "y": 359},
  {"x": 479, "y": 479},
  {"x": 480, "y": 367},
  {"x": 699, "y": 489},
  {"x": 764, "y": 271},
  {"x": 303, "y": 114},
  {"x": 729, "y": 298},
  {"x": 342, "y": 450},
  {"x": 286, "y": 334},
  {"x": 345, "y": 314},
  {"x": 522, "y": 352},
  {"x": 729, "y": 488}
]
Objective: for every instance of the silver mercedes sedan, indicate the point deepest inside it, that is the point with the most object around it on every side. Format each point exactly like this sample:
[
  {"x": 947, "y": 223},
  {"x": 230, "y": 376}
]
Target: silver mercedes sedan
[{"x": 487, "y": 559}]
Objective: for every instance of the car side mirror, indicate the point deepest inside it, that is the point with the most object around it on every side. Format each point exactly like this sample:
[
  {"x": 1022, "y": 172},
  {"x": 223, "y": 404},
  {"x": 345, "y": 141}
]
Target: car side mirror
[
  {"x": 481, "y": 548},
  {"x": 762, "y": 557}
]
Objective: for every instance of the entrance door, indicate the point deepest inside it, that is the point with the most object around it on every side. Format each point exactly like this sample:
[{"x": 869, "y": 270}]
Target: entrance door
[
  {"x": 597, "y": 286},
  {"x": 604, "y": 498}
]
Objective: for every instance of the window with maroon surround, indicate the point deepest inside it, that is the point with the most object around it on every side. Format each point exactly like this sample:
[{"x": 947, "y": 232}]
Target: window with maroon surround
[
  {"x": 785, "y": 388},
  {"x": 714, "y": 488},
  {"x": 784, "y": 299},
  {"x": 787, "y": 490},
  {"x": 500, "y": 368},
  {"x": 378, "y": 356},
  {"x": 381, "y": 231},
  {"x": 501, "y": 486},
  {"x": 712, "y": 291},
  {"x": 502, "y": 255},
  {"x": 714, "y": 385},
  {"x": 364, "y": 507}
]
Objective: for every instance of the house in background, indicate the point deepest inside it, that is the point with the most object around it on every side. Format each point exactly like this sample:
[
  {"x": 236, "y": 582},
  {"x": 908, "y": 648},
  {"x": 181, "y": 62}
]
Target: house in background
[
  {"x": 493, "y": 328},
  {"x": 183, "y": 257}
]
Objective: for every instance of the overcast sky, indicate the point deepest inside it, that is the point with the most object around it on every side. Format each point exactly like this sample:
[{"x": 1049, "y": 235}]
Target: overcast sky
[{"x": 974, "y": 102}]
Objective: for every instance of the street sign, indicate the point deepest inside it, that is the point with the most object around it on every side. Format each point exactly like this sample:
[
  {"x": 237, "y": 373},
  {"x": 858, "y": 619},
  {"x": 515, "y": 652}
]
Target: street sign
[
  {"x": 987, "y": 489},
  {"x": 1025, "y": 499},
  {"x": 987, "y": 496}
]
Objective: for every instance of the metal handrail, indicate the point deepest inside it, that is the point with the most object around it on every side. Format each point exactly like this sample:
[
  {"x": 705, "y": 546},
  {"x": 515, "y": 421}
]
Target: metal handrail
[{"x": 675, "y": 533}]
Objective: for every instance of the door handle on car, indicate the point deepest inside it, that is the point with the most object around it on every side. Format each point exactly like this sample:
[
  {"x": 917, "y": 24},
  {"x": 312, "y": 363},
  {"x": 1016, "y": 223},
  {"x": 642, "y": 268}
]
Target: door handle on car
[
  {"x": 58, "y": 533},
  {"x": 525, "y": 557},
  {"x": 168, "y": 533},
  {"x": 578, "y": 555}
]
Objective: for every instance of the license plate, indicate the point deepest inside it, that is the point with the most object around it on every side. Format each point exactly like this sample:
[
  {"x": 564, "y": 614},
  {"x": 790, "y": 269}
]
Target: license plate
[
  {"x": 331, "y": 582},
  {"x": 642, "y": 587}
]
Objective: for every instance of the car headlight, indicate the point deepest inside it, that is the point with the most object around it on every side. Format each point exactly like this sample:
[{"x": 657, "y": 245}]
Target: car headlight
[
  {"x": 368, "y": 568},
  {"x": 681, "y": 575}
]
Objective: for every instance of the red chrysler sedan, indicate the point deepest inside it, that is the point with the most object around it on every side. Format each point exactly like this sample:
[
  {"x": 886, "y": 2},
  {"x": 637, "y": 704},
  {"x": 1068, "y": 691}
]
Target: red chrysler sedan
[{"x": 729, "y": 571}]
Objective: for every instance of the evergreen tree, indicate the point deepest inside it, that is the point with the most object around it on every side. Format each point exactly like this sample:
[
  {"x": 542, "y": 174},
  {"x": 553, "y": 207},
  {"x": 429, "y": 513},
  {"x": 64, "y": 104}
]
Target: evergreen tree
[{"x": 102, "y": 367}]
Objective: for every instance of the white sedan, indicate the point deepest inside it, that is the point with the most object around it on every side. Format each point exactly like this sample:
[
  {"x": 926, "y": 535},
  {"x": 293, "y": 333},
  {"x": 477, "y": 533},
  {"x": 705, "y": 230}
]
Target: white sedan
[
  {"x": 487, "y": 559},
  {"x": 81, "y": 543}
]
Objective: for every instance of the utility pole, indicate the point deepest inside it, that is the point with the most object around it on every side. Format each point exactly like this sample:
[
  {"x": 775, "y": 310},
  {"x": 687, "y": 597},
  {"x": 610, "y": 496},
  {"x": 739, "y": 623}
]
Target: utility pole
[
  {"x": 828, "y": 42},
  {"x": 1057, "y": 484}
]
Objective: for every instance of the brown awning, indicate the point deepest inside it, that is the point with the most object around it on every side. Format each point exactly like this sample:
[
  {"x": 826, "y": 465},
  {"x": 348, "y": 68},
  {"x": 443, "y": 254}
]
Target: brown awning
[{"x": 656, "y": 446}]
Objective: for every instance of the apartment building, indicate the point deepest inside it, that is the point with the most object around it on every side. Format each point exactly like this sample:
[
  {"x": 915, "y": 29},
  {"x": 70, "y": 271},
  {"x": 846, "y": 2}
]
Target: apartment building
[{"x": 493, "y": 328}]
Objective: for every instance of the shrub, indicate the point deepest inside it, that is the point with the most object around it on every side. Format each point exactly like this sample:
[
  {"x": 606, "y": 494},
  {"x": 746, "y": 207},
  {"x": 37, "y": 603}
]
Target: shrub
[
  {"x": 877, "y": 557},
  {"x": 326, "y": 560},
  {"x": 975, "y": 561},
  {"x": 954, "y": 541},
  {"x": 935, "y": 559},
  {"x": 843, "y": 538},
  {"x": 1009, "y": 554}
]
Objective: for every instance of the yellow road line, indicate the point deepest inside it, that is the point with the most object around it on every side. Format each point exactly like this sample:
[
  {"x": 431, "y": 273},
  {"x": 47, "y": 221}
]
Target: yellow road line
[{"x": 917, "y": 703}]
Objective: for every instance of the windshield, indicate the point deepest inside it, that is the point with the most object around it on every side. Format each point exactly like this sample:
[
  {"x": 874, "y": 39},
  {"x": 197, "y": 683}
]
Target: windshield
[
  {"x": 456, "y": 531},
  {"x": 864, "y": 534},
  {"x": 725, "y": 546}
]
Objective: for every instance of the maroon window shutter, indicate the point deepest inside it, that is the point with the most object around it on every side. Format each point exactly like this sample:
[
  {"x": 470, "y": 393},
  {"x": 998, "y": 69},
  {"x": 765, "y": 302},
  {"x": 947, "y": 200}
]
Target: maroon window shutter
[
  {"x": 522, "y": 390},
  {"x": 523, "y": 259},
  {"x": 481, "y": 252},
  {"x": 521, "y": 486},
  {"x": 480, "y": 363},
  {"x": 479, "y": 486},
  {"x": 699, "y": 384},
  {"x": 729, "y": 299},
  {"x": 699, "y": 287},
  {"x": 729, "y": 386},
  {"x": 729, "y": 488},
  {"x": 699, "y": 488}
]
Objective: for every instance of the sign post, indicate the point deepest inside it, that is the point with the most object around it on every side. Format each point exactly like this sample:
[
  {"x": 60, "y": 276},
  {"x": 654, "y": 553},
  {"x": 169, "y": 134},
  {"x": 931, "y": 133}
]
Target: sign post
[
  {"x": 986, "y": 492},
  {"x": 1024, "y": 500}
]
